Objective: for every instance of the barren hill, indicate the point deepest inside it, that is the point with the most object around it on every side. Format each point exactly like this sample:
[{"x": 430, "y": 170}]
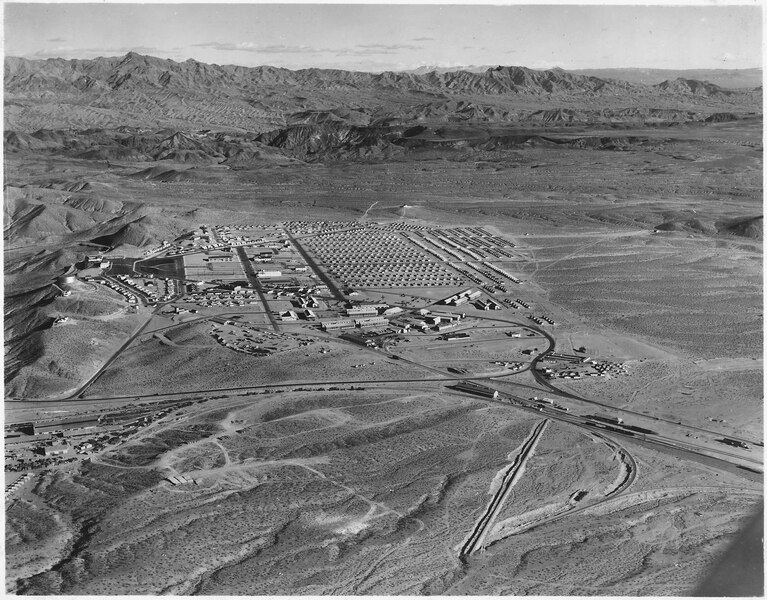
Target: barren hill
[{"x": 136, "y": 90}]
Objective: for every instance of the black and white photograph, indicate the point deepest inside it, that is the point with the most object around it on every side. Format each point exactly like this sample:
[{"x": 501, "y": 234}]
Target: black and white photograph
[{"x": 357, "y": 299}]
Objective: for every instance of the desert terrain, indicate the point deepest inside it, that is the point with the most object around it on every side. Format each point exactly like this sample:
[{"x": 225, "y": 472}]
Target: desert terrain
[{"x": 233, "y": 365}]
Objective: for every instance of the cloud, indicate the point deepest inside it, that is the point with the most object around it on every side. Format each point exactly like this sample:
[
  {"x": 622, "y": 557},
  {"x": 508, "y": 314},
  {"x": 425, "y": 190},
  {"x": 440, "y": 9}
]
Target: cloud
[
  {"x": 56, "y": 39},
  {"x": 70, "y": 52},
  {"x": 259, "y": 49},
  {"x": 389, "y": 47},
  {"x": 375, "y": 49},
  {"x": 423, "y": 39},
  {"x": 544, "y": 65}
]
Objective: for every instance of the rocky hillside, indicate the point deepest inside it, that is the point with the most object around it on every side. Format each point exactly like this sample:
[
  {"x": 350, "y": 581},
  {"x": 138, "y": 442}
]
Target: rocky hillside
[{"x": 137, "y": 90}]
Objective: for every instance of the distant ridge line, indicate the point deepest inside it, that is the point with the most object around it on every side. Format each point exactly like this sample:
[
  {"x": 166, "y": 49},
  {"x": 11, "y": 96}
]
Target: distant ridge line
[{"x": 133, "y": 89}]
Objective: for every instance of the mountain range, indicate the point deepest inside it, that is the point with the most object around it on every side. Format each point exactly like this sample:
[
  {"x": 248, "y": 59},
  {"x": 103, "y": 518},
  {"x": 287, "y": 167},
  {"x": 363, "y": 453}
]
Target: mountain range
[
  {"x": 726, "y": 78},
  {"x": 139, "y": 91}
]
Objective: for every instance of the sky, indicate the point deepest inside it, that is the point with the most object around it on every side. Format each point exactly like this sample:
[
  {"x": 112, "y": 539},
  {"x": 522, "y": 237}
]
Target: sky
[{"x": 370, "y": 37}]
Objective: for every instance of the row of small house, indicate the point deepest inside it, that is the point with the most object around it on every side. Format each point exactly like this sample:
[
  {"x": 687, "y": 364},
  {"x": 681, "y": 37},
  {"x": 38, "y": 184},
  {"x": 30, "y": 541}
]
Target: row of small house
[
  {"x": 476, "y": 239},
  {"x": 434, "y": 242},
  {"x": 312, "y": 227},
  {"x": 470, "y": 276},
  {"x": 150, "y": 289},
  {"x": 498, "y": 270},
  {"x": 123, "y": 291},
  {"x": 541, "y": 319},
  {"x": 10, "y": 489}
]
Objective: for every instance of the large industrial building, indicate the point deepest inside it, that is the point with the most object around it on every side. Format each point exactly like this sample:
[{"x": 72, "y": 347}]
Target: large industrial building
[
  {"x": 361, "y": 311},
  {"x": 371, "y": 321},
  {"x": 337, "y": 324}
]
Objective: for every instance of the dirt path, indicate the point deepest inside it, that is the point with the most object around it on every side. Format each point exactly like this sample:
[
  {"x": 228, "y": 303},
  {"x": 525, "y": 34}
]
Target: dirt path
[{"x": 365, "y": 214}]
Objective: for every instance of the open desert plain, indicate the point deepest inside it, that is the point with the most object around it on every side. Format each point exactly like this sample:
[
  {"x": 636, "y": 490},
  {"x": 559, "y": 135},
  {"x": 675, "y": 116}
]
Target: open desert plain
[{"x": 278, "y": 331}]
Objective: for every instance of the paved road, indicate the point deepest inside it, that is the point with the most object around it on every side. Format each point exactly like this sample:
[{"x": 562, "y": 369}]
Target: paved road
[
  {"x": 337, "y": 294},
  {"x": 81, "y": 390},
  {"x": 247, "y": 266}
]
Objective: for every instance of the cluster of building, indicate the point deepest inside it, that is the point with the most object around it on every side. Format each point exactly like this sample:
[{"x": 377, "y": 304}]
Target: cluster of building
[
  {"x": 151, "y": 290},
  {"x": 249, "y": 339},
  {"x": 371, "y": 258},
  {"x": 569, "y": 366},
  {"x": 462, "y": 297},
  {"x": 237, "y": 297}
]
